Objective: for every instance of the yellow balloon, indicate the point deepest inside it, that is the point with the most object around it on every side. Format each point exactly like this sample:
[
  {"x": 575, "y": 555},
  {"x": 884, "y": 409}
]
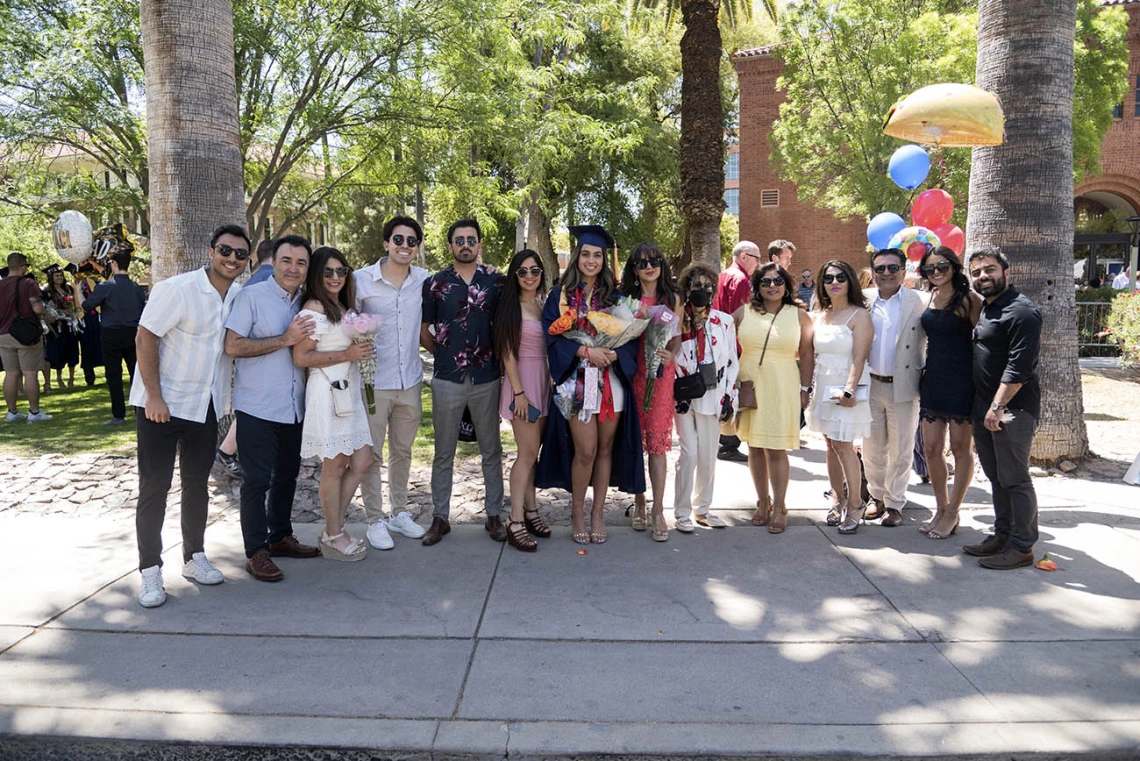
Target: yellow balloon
[{"x": 952, "y": 115}]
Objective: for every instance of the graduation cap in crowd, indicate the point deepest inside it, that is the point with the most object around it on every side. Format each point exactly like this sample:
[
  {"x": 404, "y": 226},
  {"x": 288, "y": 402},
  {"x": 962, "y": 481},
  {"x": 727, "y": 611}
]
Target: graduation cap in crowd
[
  {"x": 69, "y": 267},
  {"x": 593, "y": 235},
  {"x": 51, "y": 269}
]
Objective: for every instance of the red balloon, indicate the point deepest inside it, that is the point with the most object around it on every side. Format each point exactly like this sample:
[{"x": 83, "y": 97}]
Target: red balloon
[
  {"x": 932, "y": 208},
  {"x": 915, "y": 251},
  {"x": 952, "y": 237}
]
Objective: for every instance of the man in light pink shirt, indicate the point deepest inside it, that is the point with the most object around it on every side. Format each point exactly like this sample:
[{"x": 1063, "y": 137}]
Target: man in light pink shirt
[{"x": 733, "y": 291}]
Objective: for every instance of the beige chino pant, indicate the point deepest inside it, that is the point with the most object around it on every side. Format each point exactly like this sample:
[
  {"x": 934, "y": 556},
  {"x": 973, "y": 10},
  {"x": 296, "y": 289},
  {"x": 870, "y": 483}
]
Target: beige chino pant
[
  {"x": 397, "y": 418},
  {"x": 889, "y": 450}
]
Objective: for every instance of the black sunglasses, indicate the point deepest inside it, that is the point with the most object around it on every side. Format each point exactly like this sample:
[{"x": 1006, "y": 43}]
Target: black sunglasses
[
  {"x": 458, "y": 240},
  {"x": 528, "y": 271},
  {"x": 770, "y": 282},
  {"x": 840, "y": 277},
  {"x": 400, "y": 240},
  {"x": 806, "y": 276},
  {"x": 929, "y": 269},
  {"x": 655, "y": 262},
  {"x": 708, "y": 287},
  {"x": 336, "y": 271},
  {"x": 240, "y": 253},
  {"x": 891, "y": 268}
]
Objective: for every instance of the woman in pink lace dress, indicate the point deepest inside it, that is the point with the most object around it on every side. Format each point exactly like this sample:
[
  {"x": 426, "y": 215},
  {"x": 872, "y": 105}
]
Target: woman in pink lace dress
[{"x": 647, "y": 277}]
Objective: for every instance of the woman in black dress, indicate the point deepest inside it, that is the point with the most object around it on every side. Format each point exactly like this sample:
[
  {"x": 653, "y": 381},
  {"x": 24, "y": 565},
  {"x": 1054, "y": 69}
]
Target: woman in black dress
[{"x": 947, "y": 387}]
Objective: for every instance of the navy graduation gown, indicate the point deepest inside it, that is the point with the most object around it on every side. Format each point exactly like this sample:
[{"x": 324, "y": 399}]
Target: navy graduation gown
[{"x": 628, "y": 471}]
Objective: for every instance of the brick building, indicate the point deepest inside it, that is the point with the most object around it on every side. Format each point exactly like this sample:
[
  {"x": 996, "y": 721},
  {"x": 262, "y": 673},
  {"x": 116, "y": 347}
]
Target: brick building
[{"x": 769, "y": 207}]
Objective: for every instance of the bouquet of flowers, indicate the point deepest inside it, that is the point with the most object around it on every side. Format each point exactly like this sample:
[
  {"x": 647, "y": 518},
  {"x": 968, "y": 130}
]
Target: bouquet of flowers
[
  {"x": 663, "y": 326},
  {"x": 362, "y": 328}
]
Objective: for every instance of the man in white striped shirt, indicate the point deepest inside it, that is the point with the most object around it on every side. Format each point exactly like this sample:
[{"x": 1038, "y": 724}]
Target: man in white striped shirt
[{"x": 185, "y": 385}]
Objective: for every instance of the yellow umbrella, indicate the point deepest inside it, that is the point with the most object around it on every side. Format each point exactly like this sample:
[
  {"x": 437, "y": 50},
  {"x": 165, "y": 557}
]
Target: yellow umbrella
[{"x": 951, "y": 115}]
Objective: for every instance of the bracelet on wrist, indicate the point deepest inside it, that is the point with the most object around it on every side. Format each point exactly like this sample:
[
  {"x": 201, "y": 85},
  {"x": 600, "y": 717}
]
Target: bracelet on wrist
[{"x": 519, "y": 393}]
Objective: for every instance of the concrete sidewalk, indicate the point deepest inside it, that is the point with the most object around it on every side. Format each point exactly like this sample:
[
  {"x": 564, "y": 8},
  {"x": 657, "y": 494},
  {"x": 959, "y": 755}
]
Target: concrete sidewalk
[{"x": 726, "y": 642}]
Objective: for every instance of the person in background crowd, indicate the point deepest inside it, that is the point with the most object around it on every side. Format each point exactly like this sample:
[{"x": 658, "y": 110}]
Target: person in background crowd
[
  {"x": 336, "y": 422},
  {"x": 774, "y": 329},
  {"x": 781, "y": 251},
  {"x": 647, "y": 277},
  {"x": 947, "y": 388},
  {"x": 392, "y": 287},
  {"x": 62, "y": 347},
  {"x": 898, "y": 354},
  {"x": 805, "y": 292},
  {"x": 120, "y": 302},
  {"x": 1007, "y": 406},
  {"x": 595, "y": 447},
  {"x": 732, "y": 292},
  {"x": 708, "y": 337},
  {"x": 91, "y": 336},
  {"x": 839, "y": 409},
  {"x": 264, "y": 269},
  {"x": 458, "y": 303},
  {"x": 185, "y": 381},
  {"x": 1120, "y": 282},
  {"x": 19, "y": 297},
  {"x": 269, "y": 401},
  {"x": 520, "y": 345}
]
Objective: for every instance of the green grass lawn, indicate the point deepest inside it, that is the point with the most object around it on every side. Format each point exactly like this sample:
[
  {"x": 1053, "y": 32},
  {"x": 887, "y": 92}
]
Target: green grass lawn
[{"x": 77, "y": 426}]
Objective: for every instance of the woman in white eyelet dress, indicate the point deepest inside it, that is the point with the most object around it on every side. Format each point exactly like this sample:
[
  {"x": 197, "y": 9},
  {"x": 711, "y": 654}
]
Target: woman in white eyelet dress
[{"x": 342, "y": 441}]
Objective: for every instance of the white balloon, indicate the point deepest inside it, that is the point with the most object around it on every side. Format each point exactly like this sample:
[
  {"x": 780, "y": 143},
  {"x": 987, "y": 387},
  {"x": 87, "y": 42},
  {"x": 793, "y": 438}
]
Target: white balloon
[{"x": 72, "y": 237}]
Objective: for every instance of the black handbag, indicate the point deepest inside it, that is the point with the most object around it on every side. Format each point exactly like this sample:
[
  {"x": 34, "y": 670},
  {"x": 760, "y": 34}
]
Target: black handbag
[
  {"x": 688, "y": 387},
  {"x": 25, "y": 330}
]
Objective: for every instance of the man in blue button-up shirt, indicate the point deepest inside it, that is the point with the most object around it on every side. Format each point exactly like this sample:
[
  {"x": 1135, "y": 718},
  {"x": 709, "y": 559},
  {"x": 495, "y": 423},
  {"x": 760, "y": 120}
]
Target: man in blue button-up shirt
[
  {"x": 269, "y": 400},
  {"x": 459, "y": 303}
]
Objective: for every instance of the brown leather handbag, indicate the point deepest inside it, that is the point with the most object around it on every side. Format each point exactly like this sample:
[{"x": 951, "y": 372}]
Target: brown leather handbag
[{"x": 746, "y": 394}]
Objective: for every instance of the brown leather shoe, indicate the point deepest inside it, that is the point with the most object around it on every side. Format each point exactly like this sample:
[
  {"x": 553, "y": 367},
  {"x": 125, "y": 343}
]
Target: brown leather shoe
[
  {"x": 993, "y": 545},
  {"x": 494, "y": 526},
  {"x": 439, "y": 528},
  {"x": 262, "y": 567},
  {"x": 289, "y": 547},
  {"x": 892, "y": 518},
  {"x": 1009, "y": 559}
]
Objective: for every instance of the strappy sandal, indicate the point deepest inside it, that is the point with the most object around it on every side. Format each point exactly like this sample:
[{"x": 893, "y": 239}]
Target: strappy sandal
[
  {"x": 581, "y": 538},
  {"x": 598, "y": 537},
  {"x": 518, "y": 537},
  {"x": 639, "y": 522},
  {"x": 536, "y": 525},
  {"x": 935, "y": 534},
  {"x": 660, "y": 535},
  {"x": 779, "y": 520},
  {"x": 356, "y": 549},
  {"x": 763, "y": 512}
]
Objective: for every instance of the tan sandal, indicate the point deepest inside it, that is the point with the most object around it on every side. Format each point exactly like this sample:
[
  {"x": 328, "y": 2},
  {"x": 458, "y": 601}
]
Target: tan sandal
[
  {"x": 639, "y": 522},
  {"x": 356, "y": 549},
  {"x": 779, "y": 520},
  {"x": 763, "y": 512}
]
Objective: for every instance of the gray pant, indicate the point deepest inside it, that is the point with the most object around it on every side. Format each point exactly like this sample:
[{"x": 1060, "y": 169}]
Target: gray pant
[
  {"x": 447, "y": 403},
  {"x": 1005, "y": 460}
]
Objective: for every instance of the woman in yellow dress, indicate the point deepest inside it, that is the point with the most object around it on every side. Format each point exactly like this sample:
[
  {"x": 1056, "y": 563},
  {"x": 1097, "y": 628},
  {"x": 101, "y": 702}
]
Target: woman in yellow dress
[{"x": 772, "y": 329}]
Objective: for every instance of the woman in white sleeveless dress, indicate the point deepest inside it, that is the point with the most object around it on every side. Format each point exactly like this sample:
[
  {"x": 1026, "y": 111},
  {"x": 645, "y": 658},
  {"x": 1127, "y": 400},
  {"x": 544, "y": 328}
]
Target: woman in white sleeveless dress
[
  {"x": 336, "y": 425},
  {"x": 839, "y": 406}
]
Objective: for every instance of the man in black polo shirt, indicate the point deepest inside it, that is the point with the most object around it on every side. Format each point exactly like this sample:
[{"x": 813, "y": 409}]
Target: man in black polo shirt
[
  {"x": 1007, "y": 406},
  {"x": 120, "y": 301}
]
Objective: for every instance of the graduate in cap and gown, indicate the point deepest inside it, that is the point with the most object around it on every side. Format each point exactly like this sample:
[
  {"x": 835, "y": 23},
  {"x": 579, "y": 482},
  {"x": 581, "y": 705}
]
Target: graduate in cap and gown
[
  {"x": 61, "y": 349},
  {"x": 586, "y": 448}
]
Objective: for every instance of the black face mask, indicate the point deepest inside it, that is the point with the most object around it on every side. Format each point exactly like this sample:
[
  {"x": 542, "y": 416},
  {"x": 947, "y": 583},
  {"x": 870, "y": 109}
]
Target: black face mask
[{"x": 701, "y": 298}]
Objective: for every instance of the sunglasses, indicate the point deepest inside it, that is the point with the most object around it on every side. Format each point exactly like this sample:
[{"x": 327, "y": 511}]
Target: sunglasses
[
  {"x": 753, "y": 256},
  {"x": 806, "y": 276},
  {"x": 930, "y": 269},
  {"x": 891, "y": 268},
  {"x": 336, "y": 271},
  {"x": 240, "y": 253},
  {"x": 411, "y": 240},
  {"x": 459, "y": 239},
  {"x": 770, "y": 282},
  {"x": 708, "y": 288},
  {"x": 643, "y": 264},
  {"x": 840, "y": 277},
  {"x": 528, "y": 271}
]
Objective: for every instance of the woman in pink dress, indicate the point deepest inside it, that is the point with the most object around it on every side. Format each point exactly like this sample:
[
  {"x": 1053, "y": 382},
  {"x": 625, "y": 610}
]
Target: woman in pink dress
[
  {"x": 647, "y": 277},
  {"x": 520, "y": 344}
]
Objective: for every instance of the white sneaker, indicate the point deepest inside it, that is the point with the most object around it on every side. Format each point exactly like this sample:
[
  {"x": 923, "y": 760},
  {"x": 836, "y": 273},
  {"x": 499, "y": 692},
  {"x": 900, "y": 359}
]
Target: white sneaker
[
  {"x": 151, "y": 595},
  {"x": 403, "y": 524},
  {"x": 41, "y": 415},
  {"x": 685, "y": 526},
  {"x": 379, "y": 537},
  {"x": 201, "y": 570},
  {"x": 15, "y": 417},
  {"x": 710, "y": 520}
]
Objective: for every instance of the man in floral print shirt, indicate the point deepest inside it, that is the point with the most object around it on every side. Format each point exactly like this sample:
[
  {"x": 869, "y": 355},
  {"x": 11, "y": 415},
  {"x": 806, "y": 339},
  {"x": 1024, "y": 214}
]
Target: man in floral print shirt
[{"x": 458, "y": 306}]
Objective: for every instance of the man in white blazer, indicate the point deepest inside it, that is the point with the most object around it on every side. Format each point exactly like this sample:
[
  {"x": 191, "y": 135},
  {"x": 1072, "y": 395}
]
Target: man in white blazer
[{"x": 898, "y": 354}]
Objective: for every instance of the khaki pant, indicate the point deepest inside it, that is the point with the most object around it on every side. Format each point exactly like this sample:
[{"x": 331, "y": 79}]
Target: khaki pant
[
  {"x": 397, "y": 417},
  {"x": 889, "y": 450},
  {"x": 696, "y": 467}
]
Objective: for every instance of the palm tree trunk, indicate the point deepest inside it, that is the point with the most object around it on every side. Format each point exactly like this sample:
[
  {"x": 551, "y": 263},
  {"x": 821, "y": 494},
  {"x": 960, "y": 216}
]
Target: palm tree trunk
[
  {"x": 194, "y": 143},
  {"x": 702, "y": 129},
  {"x": 1021, "y": 193}
]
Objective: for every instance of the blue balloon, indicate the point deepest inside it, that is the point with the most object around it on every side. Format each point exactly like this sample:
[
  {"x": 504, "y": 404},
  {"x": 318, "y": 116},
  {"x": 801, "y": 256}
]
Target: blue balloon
[
  {"x": 909, "y": 167},
  {"x": 883, "y": 227}
]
